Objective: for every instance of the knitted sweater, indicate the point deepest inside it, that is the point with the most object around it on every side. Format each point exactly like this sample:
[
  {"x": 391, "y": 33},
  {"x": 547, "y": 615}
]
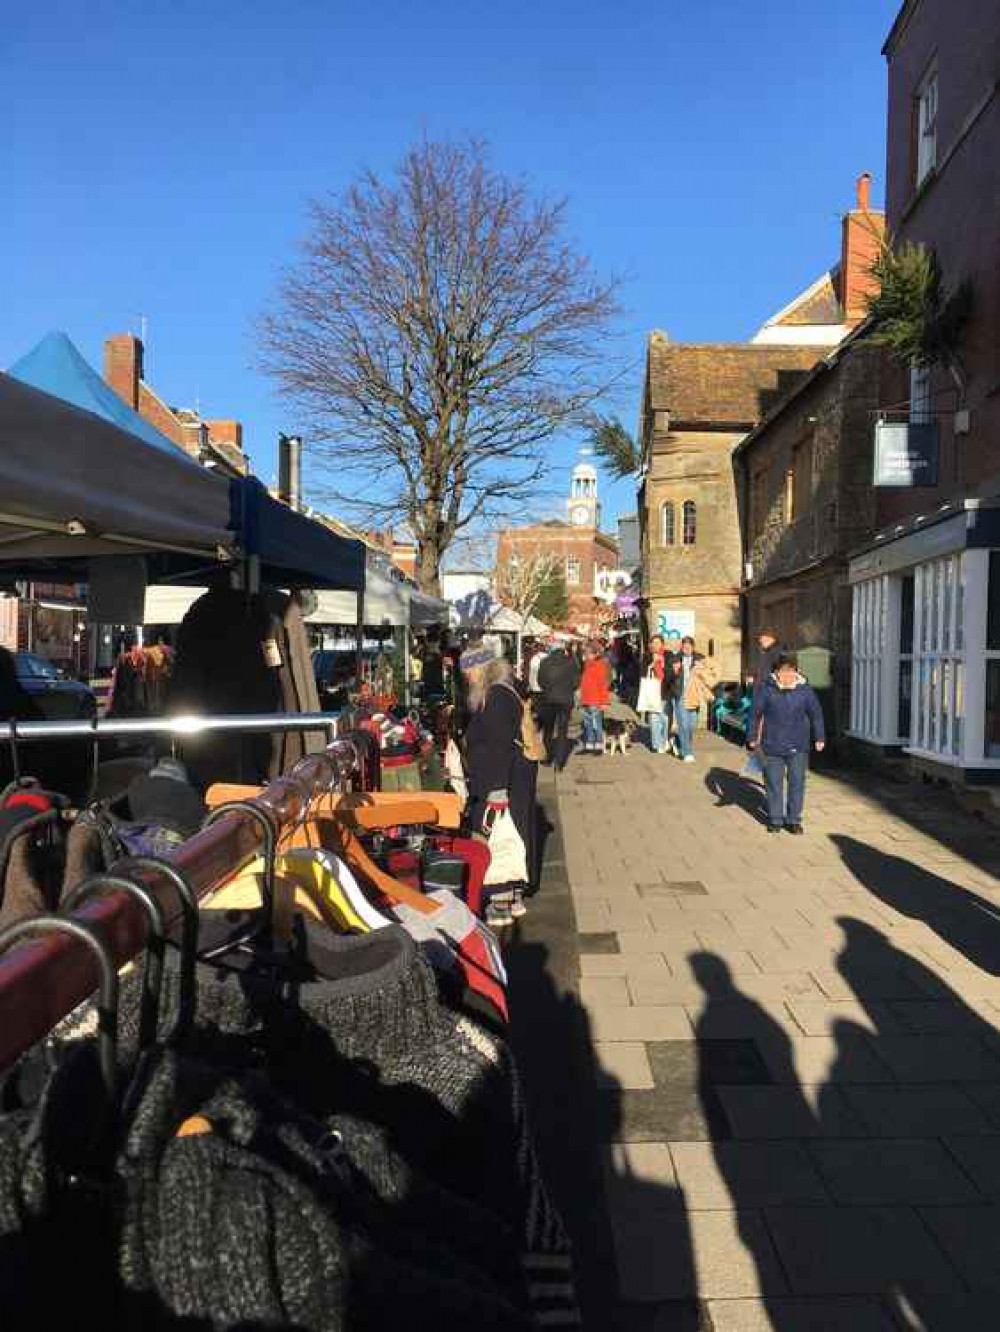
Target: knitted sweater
[{"x": 361, "y": 1032}]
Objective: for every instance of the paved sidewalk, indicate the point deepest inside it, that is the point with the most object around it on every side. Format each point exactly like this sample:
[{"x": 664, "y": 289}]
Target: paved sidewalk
[{"x": 794, "y": 1047}]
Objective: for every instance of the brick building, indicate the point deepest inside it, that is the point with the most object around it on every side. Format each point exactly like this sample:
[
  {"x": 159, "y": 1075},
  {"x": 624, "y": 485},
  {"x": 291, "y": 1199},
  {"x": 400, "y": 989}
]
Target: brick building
[
  {"x": 218, "y": 442},
  {"x": 577, "y": 542},
  {"x": 926, "y": 590},
  {"x": 804, "y": 478}
]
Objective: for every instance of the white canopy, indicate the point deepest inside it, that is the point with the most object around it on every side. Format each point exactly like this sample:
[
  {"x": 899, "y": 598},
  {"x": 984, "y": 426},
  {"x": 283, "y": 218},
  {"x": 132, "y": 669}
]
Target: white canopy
[
  {"x": 507, "y": 621},
  {"x": 387, "y": 602}
]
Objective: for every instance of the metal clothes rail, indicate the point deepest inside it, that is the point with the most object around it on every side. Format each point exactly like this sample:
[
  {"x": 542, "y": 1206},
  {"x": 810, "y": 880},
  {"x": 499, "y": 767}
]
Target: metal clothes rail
[
  {"x": 43, "y": 981},
  {"x": 181, "y": 726}
]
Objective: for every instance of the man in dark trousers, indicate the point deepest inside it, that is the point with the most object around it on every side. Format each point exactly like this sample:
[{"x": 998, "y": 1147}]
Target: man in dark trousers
[{"x": 558, "y": 678}]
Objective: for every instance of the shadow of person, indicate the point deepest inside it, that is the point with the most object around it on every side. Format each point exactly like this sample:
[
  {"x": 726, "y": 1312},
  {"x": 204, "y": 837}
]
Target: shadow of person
[
  {"x": 939, "y": 1052},
  {"x": 961, "y": 918},
  {"x": 633, "y": 1256},
  {"x": 729, "y": 788},
  {"x": 742, "y": 1049}
]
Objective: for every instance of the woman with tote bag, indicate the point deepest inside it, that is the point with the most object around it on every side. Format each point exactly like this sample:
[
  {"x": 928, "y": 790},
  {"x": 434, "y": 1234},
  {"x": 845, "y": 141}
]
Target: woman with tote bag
[
  {"x": 502, "y": 781},
  {"x": 651, "y": 694}
]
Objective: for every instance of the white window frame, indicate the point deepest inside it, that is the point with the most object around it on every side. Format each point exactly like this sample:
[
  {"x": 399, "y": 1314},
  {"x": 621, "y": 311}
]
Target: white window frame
[
  {"x": 927, "y": 118},
  {"x": 943, "y": 621},
  {"x": 574, "y": 570}
]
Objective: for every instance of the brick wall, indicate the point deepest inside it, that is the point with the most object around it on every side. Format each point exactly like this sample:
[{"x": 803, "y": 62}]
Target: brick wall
[
  {"x": 593, "y": 549},
  {"x": 957, "y": 212}
]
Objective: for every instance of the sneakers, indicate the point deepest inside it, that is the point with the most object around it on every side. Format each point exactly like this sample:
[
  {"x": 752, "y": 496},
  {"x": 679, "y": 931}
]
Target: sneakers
[
  {"x": 688, "y": 758},
  {"x": 499, "y": 914},
  {"x": 518, "y": 906}
]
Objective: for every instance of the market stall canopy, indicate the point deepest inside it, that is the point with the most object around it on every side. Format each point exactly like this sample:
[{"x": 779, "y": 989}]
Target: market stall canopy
[
  {"x": 74, "y": 483},
  {"x": 507, "y": 621},
  {"x": 426, "y": 611},
  {"x": 294, "y": 551}
]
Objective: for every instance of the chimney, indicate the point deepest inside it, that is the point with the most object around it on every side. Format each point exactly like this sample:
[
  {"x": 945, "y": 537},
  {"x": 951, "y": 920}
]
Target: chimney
[
  {"x": 226, "y": 432},
  {"x": 864, "y": 230},
  {"x": 123, "y": 367},
  {"x": 290, "y": 470}
]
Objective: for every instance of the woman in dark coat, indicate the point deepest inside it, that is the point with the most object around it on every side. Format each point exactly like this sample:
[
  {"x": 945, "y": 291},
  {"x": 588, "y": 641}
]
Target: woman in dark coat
[{"x": 500, "y": 777}]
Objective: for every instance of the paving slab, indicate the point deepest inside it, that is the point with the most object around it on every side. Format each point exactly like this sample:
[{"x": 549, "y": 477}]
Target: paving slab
[
  {"x": 970, "y": 1236},
  {"x": 903, "y": 1170},
  {"x": 788, "y": 1112},
  {"x": 865, "y": 1250},
  {"x": 604, "y": 991},
  {"x": 935, "y": 1058},
  {"x": 708, "y": 1254},
  {"x": 918, "y": 1112},
  {"x": 707, "y": 1063},
  {"x": 979, "y": 1157},
  {"x": 638, "y": 1023},
  {"x": 800, "y": 1315},
  {"x": 622, "y": 1064},
  {"x": 742, "y": 1175}
]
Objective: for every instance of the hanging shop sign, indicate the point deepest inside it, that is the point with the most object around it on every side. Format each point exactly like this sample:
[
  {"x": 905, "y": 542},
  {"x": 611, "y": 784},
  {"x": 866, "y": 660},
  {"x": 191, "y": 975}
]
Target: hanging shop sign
[
  {"x": 906, "y": 454},
  {"x": 609, "y": 582}
]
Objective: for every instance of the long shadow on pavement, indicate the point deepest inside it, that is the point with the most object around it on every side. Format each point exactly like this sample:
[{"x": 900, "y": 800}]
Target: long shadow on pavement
[
  {"x": 960, "y": 917},
  {"x": 729, "y": 788}
]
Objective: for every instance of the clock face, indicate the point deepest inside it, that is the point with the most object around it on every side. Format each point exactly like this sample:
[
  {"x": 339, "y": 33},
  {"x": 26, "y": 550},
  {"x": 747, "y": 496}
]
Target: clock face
[{"x": 581, "y": 516}]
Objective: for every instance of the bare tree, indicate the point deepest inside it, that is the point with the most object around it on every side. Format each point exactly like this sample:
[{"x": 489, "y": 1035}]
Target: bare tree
[
  {"x": 521, "y": 582},
  {"x": 437, "y": 330}
]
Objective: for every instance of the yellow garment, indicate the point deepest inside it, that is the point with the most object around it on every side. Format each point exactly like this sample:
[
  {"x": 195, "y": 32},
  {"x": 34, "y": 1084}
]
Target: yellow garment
[{"x": 317, "y": 892}]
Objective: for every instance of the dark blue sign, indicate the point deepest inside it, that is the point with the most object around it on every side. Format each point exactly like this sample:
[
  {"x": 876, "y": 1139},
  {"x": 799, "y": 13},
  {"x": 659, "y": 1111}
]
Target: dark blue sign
[{"x": 906, "y": 454}]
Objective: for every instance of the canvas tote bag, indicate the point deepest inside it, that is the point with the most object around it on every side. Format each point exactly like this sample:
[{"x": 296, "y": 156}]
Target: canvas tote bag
[
  {"x": 650, "y": 693},
  {"x": 508, "y": 859}
]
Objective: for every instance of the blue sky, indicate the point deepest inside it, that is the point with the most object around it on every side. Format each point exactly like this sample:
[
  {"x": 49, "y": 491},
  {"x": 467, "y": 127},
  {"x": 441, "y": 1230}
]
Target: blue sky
[{"x": 157, "y": 157}]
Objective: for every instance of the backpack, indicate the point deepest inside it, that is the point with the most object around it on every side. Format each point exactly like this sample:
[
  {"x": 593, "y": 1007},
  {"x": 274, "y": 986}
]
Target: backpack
[{"x": 532, "y": 744}]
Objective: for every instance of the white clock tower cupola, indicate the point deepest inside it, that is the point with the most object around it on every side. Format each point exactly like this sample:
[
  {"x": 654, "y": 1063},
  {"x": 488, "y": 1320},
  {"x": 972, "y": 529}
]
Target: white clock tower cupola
[{"x": 582, "y": 506}]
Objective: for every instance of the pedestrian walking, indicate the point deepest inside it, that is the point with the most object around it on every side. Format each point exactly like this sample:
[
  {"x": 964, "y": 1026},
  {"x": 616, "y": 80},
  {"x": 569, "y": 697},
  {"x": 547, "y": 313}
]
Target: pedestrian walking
[
  {"x": 653, "y": 694},
  {"x": 501, "y": 778},
  {"x": 693, "y": 678},
  {"x": 786, "y": 712},
  {"x": 558, "y": 677},
  {"x": 535, "y": 659},
  {"x": 768, "y": 652},
  {"x": 595, "y": 694}
]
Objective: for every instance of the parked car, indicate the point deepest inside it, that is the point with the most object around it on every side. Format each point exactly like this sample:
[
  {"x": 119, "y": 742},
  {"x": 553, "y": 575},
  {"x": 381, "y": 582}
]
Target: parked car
[{"x": 57, "y": 695}]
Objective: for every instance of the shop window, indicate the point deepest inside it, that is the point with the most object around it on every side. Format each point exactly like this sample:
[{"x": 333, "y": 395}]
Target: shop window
[
  {"x": 905, "y": 701},
  {"x": 938, "y": 659},
  {"x": 667, "y": 524},
  {"x": 572, "y": 570},
  {"x": 926, "y": 117},
  {"x": 868, "y": 657},
  {"x": 690, "y": 523}
]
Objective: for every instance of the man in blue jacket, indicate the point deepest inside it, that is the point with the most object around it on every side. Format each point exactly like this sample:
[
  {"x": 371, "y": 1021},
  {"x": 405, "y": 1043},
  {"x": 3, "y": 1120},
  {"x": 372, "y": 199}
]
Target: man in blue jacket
[{"x": 785, "y": 712}]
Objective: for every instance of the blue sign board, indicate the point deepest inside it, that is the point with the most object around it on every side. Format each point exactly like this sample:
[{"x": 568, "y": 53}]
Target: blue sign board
[{"x": 906, "y": 454}]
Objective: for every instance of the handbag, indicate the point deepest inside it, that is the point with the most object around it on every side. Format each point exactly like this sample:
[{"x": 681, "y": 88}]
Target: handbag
[
  {"x": 650, "y": 693},
  {"x": 532, "y": 744},
  {"x": 508, "y": 858}
]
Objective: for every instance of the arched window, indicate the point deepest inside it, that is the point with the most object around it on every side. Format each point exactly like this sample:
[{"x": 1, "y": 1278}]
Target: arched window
[
  {"x": 667, "y": 525},
  {"x": 690, "y": 530}
]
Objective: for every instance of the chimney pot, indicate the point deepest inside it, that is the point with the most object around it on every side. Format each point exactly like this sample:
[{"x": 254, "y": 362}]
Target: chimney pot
[{"x": 864, "y": 191}]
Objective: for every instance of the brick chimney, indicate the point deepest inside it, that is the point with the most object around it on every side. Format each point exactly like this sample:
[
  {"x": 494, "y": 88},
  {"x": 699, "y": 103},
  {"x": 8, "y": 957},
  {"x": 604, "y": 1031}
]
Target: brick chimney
[
  {"x": 226, "y": 432},
  {"x": 863, "y": 233},
  {"x": 123, "y": 367}
]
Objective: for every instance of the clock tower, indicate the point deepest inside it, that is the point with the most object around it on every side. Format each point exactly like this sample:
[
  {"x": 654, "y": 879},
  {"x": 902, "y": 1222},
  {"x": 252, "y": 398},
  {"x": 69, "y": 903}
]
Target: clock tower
[{"x": 582, "y": 507}]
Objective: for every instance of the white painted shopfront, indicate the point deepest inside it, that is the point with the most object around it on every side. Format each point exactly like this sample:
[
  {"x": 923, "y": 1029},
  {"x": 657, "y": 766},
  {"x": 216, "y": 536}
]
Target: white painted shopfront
[{"x": 926, "y": 640}]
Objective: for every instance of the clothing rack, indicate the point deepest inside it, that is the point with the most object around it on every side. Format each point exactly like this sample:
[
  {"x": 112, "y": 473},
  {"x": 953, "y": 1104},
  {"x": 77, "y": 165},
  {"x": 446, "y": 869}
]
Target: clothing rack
[
  {"x": 43, "y": 981},
  {"x": 184, "y": 726}
]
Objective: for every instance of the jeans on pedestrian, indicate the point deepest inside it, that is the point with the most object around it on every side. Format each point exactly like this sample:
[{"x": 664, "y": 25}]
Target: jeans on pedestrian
[
  {"x": 555, "y": 722},
  {"x": 657, "y": 731},
  {"x": 687, "y": 721},
  {"x": 778, "y": 767},
  {"x": 593, "y": 728}
]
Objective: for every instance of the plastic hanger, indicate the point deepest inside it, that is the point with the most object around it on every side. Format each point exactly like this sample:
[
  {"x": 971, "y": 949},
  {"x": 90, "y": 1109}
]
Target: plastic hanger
[
  {"x": 347, "y": 846},
  {"x": 325, "y": 876}
]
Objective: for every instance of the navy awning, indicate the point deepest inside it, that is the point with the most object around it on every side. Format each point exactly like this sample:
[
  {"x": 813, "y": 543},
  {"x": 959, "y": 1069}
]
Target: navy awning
[{"x": 294, "y": 551}]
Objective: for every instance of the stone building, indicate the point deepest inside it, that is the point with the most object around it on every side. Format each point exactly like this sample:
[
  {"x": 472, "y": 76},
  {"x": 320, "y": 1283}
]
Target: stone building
[
  {"x": 581, "y": 548},
  {"x": 699, "y": 402},
  {"x": 926, "y": 589}
]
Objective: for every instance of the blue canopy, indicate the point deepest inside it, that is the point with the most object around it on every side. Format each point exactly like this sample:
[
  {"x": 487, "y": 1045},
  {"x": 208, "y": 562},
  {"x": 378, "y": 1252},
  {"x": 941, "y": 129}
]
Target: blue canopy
[
  {"x": 294, "y": 551},
  {"x": 56, "y": 366}
]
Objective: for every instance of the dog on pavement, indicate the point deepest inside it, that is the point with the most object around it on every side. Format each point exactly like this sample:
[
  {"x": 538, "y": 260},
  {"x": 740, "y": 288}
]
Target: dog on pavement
[{"x": 617, "y": 736}]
